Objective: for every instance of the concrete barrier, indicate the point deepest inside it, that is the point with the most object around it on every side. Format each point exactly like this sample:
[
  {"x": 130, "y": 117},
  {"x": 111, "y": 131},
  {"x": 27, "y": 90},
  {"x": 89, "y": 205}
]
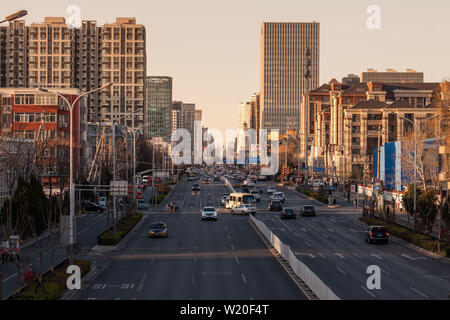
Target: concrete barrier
[
  {"x": 228, "y": 184},
  {"x": 300, "y": 269}
]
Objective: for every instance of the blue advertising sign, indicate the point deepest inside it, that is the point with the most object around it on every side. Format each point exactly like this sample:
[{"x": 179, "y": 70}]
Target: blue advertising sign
[{"x": 319, "y": 169}]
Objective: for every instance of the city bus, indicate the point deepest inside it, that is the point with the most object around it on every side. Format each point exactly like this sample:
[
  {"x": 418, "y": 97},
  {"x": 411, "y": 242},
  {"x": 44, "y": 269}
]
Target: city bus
[{"x": 236, "y": 199}]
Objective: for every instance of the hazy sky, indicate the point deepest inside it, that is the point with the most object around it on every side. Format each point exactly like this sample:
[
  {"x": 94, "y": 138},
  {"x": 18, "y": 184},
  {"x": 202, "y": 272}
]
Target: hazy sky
[{"x": 211, "y": 47}]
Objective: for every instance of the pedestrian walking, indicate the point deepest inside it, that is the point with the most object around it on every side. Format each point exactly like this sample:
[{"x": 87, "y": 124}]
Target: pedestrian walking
[{"x": 29, "y": 275}]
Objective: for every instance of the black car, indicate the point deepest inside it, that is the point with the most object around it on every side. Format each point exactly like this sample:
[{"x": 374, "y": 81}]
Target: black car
[
  {"x": 308, "y": 211},
  {"x": 195, "y": 187},
  {"x": 288, "y": 213},
  {"x": 245, "y": 188},
  {"x": 275, "y": 205},
  {"x": 92, "y": 207},
  {"x": 376, "y": 234}
]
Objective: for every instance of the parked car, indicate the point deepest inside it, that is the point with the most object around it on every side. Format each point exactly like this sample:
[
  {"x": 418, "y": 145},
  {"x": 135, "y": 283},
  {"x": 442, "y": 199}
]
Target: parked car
[
  {"x": 243, "y": 209},
  {"x": 288, "y": 213},
  {"x": 271, "y": 189},
  {"x": 376, "y": 234},
  {"x": 157, "y": 229},
  {"x": 142, "y": 205},
  {"x": 195, "y": 187},
  {"x": 308, "y": 211},
  {"x": 92, "y": 207},
  {"x": 209, "y": 213},
  {"x": 275, "y": 205}
]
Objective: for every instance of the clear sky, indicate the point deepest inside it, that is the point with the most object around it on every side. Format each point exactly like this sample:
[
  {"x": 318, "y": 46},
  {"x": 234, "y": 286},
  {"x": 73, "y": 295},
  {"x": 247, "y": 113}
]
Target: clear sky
[{"x": 211, "y": 47}]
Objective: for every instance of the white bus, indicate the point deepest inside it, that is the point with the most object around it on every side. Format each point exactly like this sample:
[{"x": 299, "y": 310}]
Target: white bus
[{"x": 236, "y": 199}]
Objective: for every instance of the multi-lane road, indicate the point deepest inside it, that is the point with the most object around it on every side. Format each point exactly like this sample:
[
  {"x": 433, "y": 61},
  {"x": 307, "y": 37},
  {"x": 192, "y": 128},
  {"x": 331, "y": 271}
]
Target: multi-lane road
[
  {"x": 226, "y": 259},
  {"x": 221, "y": 259}
]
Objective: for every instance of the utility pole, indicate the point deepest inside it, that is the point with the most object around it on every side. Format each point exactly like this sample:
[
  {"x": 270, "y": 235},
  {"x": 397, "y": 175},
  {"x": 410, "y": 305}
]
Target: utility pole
[{"x": 306, "y": 121}]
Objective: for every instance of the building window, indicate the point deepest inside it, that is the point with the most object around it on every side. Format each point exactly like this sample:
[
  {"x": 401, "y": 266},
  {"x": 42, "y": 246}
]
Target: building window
[{"x": 355, "y": 118}]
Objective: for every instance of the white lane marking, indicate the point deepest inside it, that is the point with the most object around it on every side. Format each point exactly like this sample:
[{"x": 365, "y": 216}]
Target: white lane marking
[
  {"x": 243, "y": 278},
  {"x": 324, "y": 235},
  {"x": 305, "y": 254},
  {"x": 321, "y": 254},
  {"x": 287, "y": 226},
  {"x": 296, "y": 234},
  {"x": 278, "y": 229},
  {"x": 422, "y": 294},
  {"x": 366, "y": 290},
  {"x": 411, "y": 258},
  {"x": 385, "y": 272},
  {"x": 232, "y": 247},
  {"x": 340, "y": 245},
  {"x": 342, "y": 271},
  {"x": 357, "y": 255},
  {"x": 87, "y": 228},
  {"x": 237, "y": 260},
  {"x": 307, "y": 243},
  {"x": 12, "y": 276},
  {"x": 229, "y": 237},
  {"x": 91, "y": 298},
  {"x": 340, "y": 255},
  {"x": 376, "y": 256},
  {"x": 251, "y": 298},
  {"x": 226, "y": 228},
  {"x": 304, "y": 230},
  {"x": 330, "y": 229}
]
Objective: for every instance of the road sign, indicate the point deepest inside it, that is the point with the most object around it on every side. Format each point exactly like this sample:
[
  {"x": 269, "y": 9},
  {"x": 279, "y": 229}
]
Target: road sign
[
  {"x": 319, "y": 169},
  {"x": 118, "y": 188},
  {"x": 306, "y": 168}
]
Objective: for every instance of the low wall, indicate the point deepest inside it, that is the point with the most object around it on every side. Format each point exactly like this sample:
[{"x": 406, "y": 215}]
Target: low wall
[{"x": 300, "y": 269}]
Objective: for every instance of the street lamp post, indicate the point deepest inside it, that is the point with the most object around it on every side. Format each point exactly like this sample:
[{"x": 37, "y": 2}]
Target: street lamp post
[
  {"x": 71, "y": 183},
  {"x": 15, "y": 16},
  {"x": 415, "y": 159}
]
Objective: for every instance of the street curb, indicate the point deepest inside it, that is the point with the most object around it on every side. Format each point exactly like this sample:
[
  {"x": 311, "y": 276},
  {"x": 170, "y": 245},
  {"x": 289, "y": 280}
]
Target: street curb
[
  {"x": 130, "y": 234},
  {"x": 413, "y": 246},
  {"x": 164, "y": 202}
]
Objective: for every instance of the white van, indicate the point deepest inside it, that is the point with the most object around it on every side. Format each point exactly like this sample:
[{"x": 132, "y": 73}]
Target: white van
[
  {"x": 102, "y": 201},
  {"x": 236, "y": 199}
]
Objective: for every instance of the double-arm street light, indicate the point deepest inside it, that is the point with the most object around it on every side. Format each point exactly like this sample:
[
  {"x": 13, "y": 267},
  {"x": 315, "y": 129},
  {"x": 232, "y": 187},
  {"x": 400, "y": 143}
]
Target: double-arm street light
[
  {"x": 71, "y": 186},
  {"x": 14, "y": 16},
  {"x": 415, "y": 125}
]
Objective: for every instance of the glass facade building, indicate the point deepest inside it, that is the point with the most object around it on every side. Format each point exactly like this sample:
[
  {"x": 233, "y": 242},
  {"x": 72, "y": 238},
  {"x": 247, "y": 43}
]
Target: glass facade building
[{"x": 158, "y": 107}]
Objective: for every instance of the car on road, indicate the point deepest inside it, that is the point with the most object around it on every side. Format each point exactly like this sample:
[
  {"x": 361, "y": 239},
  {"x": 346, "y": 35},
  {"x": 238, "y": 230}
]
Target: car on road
[
  {"x": 256, "y": 194},
  {"x": 157, "y": 229},
  {"x": 209, "y": 213},
  {"x": 216, "y": 178},
  {"x": 243, "y": 209},
  {"x": 92, "y": 207},
  {"x": 308, "y": 211},
  {"x": 142, "y": 205},
  {"x": 195, "y": 187},
  {"x": 224, "y": 200},
  {"x": 271, "y": 189},
  {"x": 258, "y": 188},
  {"x": 102, "y": 201},
  {"x": 278, "y": 196},
  {"x": 275, "y": 205},
  {"x": 376, "y": 234},
  {"x": 288, "y": 213},
  {"x": 205, "y": 181}
]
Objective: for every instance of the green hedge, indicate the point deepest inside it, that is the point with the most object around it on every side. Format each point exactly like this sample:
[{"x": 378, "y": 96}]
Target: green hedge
[
  {"x": 52, "y": 292},
  {"x": 108, "y": 238}
]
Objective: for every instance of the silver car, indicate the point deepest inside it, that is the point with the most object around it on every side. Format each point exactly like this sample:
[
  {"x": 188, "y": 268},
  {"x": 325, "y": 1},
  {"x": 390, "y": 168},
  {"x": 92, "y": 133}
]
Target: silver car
[{"x": 243, "y": 209}]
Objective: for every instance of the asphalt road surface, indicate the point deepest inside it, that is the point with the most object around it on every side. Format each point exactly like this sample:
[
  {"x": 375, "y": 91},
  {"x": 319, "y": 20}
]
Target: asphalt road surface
[
  {"x": 222, "y": 259},
  {"x": 332, "y": 246}
]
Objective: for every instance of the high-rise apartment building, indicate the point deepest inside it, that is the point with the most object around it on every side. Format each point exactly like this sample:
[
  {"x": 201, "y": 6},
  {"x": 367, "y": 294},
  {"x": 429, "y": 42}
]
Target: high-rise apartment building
[
  {"x": 283, "y": 49},
  {"x": 158, "y": 107},
  {"x": 13, "y": 55},
  {"x": 198, "y": 115},
  {"x": 124, "y": 64},
  {"x": 392, "y": 76}
]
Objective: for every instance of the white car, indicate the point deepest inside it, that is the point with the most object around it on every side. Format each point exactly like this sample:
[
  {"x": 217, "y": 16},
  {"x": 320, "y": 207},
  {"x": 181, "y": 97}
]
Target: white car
[
  {"x": 271, "y": 189},
  {"x": 278, "y": 196},
  {"x": 102, "y": 201},
  {"x": 243, "y": 209},
  {"x": 255, "y": 193},
  {"x": 209, "y": 213}
]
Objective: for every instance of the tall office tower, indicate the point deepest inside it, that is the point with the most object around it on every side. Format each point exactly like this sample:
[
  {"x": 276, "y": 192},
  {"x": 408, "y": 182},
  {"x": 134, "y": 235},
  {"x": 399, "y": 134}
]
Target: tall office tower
[
  {"x": 16, "y": 44},
  {"x": 255, "y": 113},
  {"x": 198, "y": 115},
  {"x": 87, "y": 72},
  {"x": 244, "y": 115},
  {"x": 158, "y": 107},
  {"x": 124, "y": 64},
  {"x": 176, "y": 115},
  {"x": 50, "y": 54},
  {"x": 283, "y": 48},
  {"x": 392, "y": 76},
  {"x": 187, "y": 117}
]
